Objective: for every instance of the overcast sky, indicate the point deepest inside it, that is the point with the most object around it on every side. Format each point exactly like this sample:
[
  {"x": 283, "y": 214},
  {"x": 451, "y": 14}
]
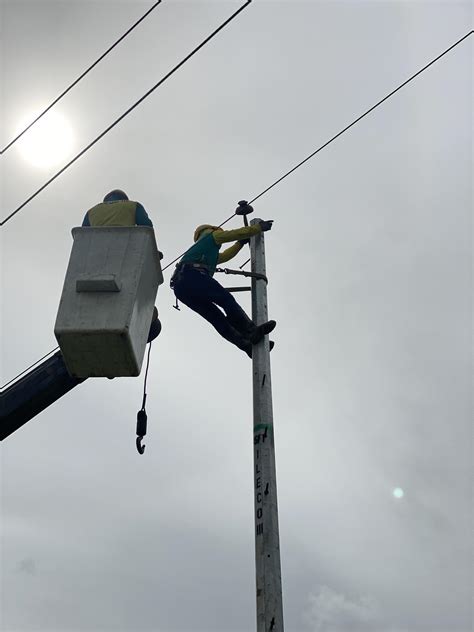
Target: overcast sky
[{"x": 369, "y": 264}]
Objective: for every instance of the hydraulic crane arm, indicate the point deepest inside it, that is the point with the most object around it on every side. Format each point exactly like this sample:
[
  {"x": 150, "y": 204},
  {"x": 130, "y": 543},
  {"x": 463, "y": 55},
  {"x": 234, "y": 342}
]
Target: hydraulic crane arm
[{"x": 34, "y": 392}]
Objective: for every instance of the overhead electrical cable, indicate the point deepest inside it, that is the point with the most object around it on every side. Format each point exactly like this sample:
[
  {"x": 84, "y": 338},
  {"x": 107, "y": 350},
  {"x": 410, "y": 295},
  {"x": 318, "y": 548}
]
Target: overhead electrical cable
[
  {"x": 27, "y": 369},
  {"x": 340, "y": 133},
  {"x": 361, "y": 116},
  {"x": 130, "y": 109},
  {"x": 74, "y": 83},
  {"x": 300, "y": 163},
  {"x": 354, "y": 122}
]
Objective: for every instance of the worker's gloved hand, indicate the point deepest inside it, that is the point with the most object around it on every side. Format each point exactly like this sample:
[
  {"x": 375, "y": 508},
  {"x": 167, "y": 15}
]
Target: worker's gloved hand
[
  {"x": 242, "y": 242},
  {"x": 266, "y": 225}
]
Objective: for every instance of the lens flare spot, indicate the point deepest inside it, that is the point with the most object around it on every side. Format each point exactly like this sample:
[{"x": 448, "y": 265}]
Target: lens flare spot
[
  {"x": 49, "y": 141},
  {"x": 398, "y": 492}
]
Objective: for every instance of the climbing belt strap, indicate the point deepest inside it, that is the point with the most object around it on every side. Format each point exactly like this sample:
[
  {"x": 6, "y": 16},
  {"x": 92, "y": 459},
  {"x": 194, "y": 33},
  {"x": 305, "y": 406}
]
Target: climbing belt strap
[{"x": 254, "y": 275}]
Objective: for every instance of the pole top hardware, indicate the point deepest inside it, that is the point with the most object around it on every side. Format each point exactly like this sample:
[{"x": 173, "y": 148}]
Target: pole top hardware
[{"x": 244, "y": 208}]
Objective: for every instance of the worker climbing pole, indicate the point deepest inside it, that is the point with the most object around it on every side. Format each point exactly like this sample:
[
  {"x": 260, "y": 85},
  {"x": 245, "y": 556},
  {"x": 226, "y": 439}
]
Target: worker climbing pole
[{"x": 194, "y": 285}]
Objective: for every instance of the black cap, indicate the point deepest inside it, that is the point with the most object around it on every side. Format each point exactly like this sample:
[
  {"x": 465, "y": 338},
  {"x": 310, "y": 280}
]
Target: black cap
[{"x": 115, "y": 196}]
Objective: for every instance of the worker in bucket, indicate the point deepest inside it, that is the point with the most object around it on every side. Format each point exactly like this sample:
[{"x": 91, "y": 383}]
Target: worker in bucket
[
  {"x": 118, "y": 210},
  {"x": 194, "y": 286}
]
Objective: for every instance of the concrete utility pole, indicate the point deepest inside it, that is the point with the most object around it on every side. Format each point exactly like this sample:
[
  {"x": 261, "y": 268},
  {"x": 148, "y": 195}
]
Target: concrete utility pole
[{"x": 267, "y": 540}]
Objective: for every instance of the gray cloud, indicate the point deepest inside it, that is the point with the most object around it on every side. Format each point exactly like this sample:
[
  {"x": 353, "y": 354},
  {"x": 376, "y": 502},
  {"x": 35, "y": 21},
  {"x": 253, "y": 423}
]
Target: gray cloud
[
  {"x": 331, "y": 611},
  {"x": 27, "y": 566},
  {"x": 369, "y": 263}
]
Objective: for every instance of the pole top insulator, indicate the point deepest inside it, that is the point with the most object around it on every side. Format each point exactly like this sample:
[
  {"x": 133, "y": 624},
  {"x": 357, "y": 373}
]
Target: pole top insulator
[{"x": 244, "y": 208}]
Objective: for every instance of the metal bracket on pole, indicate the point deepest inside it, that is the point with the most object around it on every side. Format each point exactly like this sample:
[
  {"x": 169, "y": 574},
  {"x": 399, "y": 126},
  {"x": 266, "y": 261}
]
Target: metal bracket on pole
[
  {"x": 267, "y": 540},
  {"x": 238, "y": 289}
]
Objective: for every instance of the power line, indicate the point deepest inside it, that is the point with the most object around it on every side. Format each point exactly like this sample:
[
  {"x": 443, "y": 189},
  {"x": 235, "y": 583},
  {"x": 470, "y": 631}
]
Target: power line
[
  {"x": 351, "y": 124},
  {"x": 80, "y": 77},
  {"x": 341, "y": 132},
  {"x": 299, "y": 164},
  {"x": 361, "y": 117},
  {"x": 30, "y": 367},
  {"x": 183, "y": 61}
]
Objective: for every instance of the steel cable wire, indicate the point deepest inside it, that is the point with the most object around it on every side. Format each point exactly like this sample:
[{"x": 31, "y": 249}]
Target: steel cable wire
[
  {"x": 27, "y": 369},
  {"x": 340, "y": 133},
  {"x": 361, "y": 117},
  {"x": 74, "y": 83},
  {"x": 130, "y": 109}
]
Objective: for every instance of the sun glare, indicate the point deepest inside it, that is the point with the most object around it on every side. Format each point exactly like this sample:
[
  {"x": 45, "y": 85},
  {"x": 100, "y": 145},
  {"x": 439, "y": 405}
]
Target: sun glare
[
  {"x": 398, "y": 492},
  {"x": 49, "y": 141}
]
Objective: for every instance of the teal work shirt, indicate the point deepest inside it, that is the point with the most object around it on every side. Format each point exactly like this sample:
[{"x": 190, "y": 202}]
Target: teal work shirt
[{"x": 206, "y": 250}]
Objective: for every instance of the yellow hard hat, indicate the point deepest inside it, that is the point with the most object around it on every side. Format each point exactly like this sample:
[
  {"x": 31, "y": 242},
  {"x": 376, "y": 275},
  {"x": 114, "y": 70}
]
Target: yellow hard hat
[{"x": 202, "y": 227}]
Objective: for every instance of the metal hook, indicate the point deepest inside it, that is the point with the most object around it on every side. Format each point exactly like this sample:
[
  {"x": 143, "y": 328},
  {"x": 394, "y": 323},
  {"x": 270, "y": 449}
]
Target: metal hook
[
  {"x": 140, "y": 447},
  {"x": 141, "y": 427}
]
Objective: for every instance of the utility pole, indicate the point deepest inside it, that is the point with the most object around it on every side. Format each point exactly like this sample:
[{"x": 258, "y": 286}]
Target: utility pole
[{"x": 267, "y": 539}]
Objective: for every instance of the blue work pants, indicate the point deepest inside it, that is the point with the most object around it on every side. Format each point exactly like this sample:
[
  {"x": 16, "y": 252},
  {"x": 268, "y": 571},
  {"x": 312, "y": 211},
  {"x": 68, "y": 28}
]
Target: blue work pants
[{"x": 198, "y": 290}]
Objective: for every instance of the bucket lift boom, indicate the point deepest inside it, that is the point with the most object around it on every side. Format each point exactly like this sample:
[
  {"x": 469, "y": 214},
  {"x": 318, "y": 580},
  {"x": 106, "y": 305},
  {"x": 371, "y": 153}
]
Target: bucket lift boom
[
  {"x": 103, "y": 320},
  {"x": 34, "y": 392}
]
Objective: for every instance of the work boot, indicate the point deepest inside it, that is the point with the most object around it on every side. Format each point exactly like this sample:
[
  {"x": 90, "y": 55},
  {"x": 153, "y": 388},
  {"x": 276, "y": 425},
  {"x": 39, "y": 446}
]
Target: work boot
[
  {"x": 243, "y": 343},
  {"x": 249, "y": 350},
  {"x": 237, "y": 338},
  {"x": 248, "y": 328},
  {"x": 242, "y": 323},
  {"x": 261, "y": 331}
]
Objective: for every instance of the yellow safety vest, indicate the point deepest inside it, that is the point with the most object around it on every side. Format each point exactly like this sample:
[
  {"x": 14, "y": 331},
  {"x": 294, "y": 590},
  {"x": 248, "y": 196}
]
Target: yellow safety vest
[{"x": 119, "y": 213}]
